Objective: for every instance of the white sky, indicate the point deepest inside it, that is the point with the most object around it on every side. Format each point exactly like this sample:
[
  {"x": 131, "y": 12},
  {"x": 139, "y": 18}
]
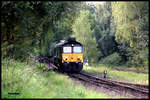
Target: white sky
[{"x": 94, "y": 2}]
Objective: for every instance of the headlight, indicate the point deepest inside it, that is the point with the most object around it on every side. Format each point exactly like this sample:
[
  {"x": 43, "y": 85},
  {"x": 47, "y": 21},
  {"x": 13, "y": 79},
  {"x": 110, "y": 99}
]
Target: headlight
[
  {"x": 79, "y": 57},
  {"x": 65, "y": 58}
]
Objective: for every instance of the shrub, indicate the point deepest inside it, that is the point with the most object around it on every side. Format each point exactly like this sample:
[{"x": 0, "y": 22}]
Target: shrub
[{"x": 113, "y": 59}]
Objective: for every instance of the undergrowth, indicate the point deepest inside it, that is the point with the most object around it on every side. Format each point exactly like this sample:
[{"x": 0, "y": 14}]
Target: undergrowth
[{"x": 31, "y": 80}]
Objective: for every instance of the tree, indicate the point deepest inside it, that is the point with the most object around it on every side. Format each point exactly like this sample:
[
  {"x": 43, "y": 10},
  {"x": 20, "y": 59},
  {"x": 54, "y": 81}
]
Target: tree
[
  {"x": 18, "y": 28},
  {"x": 131, "y": 19},
  {"x": 104, "y": 29},
  {"x": 84, "y": 34},
  {"x": 29, "y": 27}
]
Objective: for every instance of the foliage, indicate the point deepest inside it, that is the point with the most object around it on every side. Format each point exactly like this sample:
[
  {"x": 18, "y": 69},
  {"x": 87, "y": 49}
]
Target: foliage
[
  {"x": 107, "y": 45},
  {"x": 84, "y": 34},
  {"x": 14, "y": 28},
  {"x": 113, "y": 59},
  {"x": 60, "y": 28},
  {"x": 103, "y": 20},
  {"x": 33, "y": 28},
  {"x": 31, "y": 82},
  {"x": 104, "y": 29},
  {"x": 29, "y": 26},
  {"x": 131, "y": 20}
]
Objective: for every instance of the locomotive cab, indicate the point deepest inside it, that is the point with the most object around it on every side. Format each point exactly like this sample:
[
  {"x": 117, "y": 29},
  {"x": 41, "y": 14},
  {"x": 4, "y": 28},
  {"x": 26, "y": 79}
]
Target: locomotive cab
[{"x": 69, "y": 56}]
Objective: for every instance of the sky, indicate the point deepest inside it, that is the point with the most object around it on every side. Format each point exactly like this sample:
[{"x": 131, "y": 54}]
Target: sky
[{"x": 94, "y": 2}]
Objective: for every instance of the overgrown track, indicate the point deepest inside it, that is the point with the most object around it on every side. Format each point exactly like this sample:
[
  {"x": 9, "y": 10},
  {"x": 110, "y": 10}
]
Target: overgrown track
[
  {"x": 139, "y": 86},
  {"x": 134, "y": 89},
  {"x": 48, "y": 61}
]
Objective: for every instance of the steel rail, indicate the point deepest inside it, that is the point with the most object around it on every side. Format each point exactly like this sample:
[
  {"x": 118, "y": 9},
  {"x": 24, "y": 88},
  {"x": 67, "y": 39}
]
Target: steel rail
[
  {"x": 111, "y": 85},
  {"x": 137, "y": 87}
]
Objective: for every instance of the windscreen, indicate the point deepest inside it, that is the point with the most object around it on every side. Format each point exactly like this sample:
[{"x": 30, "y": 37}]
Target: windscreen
[
  {"x": 77, "y": 49},
  {"x": 66, "y": 49}
]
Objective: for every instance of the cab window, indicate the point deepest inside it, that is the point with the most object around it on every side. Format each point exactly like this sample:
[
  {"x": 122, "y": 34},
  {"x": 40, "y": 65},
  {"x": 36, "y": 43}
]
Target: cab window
[
  {"x": 66, "y": 49},
  {"x": 77, "y": 49}
]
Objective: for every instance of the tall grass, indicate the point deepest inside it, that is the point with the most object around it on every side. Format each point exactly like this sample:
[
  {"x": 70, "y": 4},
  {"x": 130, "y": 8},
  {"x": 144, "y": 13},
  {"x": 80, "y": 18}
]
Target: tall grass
[
  {"x": 31, "y": 81},
  {"x": 133, "y": 77}
]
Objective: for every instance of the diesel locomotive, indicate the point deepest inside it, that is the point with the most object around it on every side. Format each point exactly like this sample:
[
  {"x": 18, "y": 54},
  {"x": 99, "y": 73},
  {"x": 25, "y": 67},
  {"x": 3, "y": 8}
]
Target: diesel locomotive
[{"x": 68, "y": 55}]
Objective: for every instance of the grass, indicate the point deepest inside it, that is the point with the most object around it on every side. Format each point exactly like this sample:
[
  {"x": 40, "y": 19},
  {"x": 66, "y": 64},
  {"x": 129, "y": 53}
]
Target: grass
[
  {"x": 32, "y": 82},
  {"x": 133, "y": 77},
  {"x": 123, "y": 66}
]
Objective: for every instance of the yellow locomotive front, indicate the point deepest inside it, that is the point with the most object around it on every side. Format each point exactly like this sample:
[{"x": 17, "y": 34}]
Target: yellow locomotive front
[
  {"x": 75, "y": 56},
  {"x": 72, "y": 57},
  {"x": 69, "y": 55}
]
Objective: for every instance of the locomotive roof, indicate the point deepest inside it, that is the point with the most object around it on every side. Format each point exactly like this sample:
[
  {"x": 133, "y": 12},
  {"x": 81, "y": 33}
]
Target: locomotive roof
[
  {"x": 67, "y": 42},
  {"x": 60, "y": 43}
]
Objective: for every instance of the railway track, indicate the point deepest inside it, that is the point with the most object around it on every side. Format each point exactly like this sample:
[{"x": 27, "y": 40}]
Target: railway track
[
  {"x": 137, "y": 90},
  {"x": 136, "y": 86},
  {"x": 134, "y": 89}
]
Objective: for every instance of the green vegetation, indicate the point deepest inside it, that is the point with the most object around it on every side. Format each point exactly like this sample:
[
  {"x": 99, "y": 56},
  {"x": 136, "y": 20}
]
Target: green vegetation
[
  {"x": 113, "y": 59},
  {"x": 118, "y": 29},
  {"x": 132, "y": 77},
  {"x": 83, "y": 33},
  {"x": 31, "y": 82},
  {"x": 34, "y": 27},
  {"x": 131, "y": 19},
  {"x": 112, "y": 33}
]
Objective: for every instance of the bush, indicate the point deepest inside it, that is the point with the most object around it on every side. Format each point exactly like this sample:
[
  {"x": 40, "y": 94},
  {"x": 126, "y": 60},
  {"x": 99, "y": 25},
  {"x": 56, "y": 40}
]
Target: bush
[{"x": 113, "y": 59}]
